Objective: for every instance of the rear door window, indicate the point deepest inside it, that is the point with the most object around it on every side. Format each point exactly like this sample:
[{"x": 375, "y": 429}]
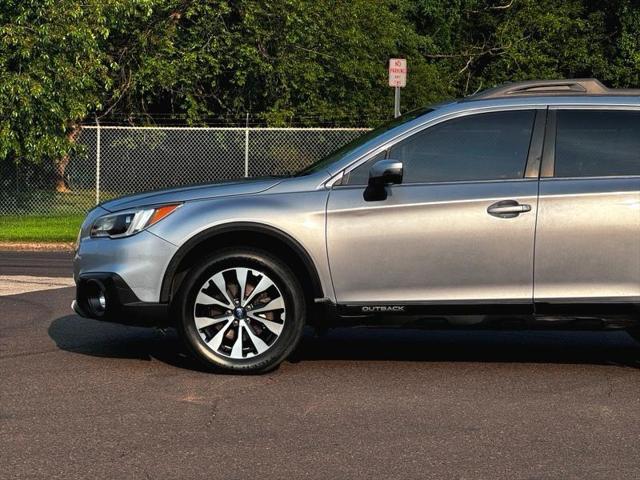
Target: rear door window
[{"x": 597, "y": 143}]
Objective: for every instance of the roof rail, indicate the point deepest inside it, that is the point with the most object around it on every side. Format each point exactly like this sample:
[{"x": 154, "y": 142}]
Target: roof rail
[{"x": 578, "y": 86}]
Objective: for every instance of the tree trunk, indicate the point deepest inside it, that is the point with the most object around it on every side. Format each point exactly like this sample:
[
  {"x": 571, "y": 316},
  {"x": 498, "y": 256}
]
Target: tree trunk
[{"x": 60, "y": 164}]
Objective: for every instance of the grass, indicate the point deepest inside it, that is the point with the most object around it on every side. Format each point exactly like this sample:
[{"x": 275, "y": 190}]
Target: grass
[
  {"x": 45, "y": 216},
  {"x": 58, "y": 228}
]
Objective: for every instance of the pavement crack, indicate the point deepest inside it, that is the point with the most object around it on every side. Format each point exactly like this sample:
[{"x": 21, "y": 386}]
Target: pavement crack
[
  {"x": 213, "y": 412},
  {"x": 609, "y": 386},
  {"x": 27, "y": 354}
]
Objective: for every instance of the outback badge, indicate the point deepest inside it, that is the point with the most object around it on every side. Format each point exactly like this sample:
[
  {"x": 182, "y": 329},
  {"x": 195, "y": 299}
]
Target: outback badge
[{"x": 383, "y": 309}]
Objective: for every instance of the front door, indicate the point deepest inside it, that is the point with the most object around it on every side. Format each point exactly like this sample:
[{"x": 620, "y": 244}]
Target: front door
[{"x": 448, "y": 233}]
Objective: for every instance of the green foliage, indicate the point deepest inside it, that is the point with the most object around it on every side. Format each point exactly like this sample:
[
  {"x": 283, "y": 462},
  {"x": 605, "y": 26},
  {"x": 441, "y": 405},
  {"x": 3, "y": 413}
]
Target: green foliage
[
  {"x": 276, "y": 60},
  {"x": 320, "y": 61},
  {"x": 483, "y": 43},
  {"x": 51, "y": 73}
]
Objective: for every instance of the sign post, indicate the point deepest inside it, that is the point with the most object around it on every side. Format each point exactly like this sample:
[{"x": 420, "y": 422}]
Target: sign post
[{"x": 397, "y": 79}]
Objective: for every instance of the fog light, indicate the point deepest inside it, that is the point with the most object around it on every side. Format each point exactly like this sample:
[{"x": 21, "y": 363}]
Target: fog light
[
  {"x": 102, "y": 301},
  {"x": 96, "y": 298}
]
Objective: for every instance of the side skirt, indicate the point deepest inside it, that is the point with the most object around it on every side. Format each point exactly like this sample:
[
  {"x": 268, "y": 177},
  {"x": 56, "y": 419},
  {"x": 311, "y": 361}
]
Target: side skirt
[{"x": 508, "y": 315}]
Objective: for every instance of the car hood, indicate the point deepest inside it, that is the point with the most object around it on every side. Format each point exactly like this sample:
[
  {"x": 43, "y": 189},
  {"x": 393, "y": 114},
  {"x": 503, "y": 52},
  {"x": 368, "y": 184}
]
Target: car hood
[{"x": 183, "y": 194}]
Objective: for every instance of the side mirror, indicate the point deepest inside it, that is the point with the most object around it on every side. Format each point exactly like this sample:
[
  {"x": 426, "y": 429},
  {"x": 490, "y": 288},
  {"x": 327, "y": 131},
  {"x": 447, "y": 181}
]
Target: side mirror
[{"x": 381, "y": 174}]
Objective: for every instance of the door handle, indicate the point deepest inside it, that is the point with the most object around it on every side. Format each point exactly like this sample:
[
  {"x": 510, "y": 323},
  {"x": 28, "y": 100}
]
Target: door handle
[{"x": 507, "y": 209}]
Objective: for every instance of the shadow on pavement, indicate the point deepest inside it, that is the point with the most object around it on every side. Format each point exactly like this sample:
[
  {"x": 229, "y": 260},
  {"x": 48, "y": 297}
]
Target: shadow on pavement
[
  {"x": 561, "y": 347},
  {"x": 103, "y": 339},
  {"x": 95, "y": 338}
]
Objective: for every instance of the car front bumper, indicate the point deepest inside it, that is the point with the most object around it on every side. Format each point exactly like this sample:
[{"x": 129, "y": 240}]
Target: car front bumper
[
  {"x": 126, "y": 272},
  {"x": 106, "y": 296},
  {"x": 140, "y": 260}
]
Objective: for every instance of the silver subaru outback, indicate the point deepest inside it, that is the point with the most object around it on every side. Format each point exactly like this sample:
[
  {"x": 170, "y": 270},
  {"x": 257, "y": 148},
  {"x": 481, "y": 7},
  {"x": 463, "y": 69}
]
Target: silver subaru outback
[{"x": 518, "y": 206}]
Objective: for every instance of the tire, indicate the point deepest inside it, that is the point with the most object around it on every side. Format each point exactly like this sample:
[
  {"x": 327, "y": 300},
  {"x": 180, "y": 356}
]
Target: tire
[{"x": 270, "y": 315}]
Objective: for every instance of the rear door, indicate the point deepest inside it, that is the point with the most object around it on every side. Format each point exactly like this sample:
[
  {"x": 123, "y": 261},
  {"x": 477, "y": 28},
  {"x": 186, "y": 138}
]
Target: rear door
[
  {"x": 588, "y": 228},
  {"x": 435, "y": 238}
]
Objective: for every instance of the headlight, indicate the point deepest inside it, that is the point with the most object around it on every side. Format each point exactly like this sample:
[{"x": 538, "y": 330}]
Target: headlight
[
  {"x": 123, "y": 224},
  {"x": 76, "y": 246}
]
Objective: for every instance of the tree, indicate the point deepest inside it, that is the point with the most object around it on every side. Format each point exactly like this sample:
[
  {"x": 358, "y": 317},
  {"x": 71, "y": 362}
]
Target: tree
[
  {"x": 277, "y": 60},
  {"x": 483, "y": 42},
  {"x": 54, "y": 73},
  {"x": 65, "y": 61},
  {"x": 51, "y": 76}
]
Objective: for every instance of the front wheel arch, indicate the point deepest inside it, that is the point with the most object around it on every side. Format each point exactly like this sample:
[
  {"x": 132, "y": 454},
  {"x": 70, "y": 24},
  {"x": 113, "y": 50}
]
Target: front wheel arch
[{"x": 265, "y": 237}]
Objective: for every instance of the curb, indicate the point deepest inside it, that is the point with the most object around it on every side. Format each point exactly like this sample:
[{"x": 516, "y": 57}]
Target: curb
[{"x": 37, "y": 246}]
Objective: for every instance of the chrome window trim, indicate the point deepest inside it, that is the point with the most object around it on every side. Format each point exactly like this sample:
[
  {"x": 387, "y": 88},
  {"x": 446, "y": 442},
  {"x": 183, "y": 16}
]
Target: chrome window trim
[
  {"x": 547, "y": 172},
  {"x": 428, "y": 124},
  {"x": 598, "y": 177},
  {"x": 457, "y": 109},
  {"x": 594, "y": 106},
  {"x": 458, "y": 182}
]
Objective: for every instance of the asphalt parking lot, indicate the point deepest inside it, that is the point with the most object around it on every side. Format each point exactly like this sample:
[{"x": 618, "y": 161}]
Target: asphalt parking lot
[{"x": 82, "y": 399}]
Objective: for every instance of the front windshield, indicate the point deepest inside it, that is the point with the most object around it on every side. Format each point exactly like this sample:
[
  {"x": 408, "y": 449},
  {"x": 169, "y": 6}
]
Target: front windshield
[{"x": 362, "y": 139}]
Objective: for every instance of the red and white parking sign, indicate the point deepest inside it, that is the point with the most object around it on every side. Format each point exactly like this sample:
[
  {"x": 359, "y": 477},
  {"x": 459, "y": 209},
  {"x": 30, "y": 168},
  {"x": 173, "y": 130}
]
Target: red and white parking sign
[{"x": 397, "y": 72}]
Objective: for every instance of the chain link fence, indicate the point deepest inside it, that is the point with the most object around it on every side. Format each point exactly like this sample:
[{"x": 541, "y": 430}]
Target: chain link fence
[{"x": 111, "y": 161}]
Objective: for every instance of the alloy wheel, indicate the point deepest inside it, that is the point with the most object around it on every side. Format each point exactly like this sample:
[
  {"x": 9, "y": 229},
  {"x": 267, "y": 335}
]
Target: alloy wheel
[{"x": 239, "y": 312}]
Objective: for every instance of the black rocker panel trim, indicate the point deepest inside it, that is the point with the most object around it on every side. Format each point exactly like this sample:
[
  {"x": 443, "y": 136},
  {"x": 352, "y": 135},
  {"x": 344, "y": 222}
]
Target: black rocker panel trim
[
  {"x": 567, "y": 310},
  {"x": 593, "y": 309},
  {"x": 435, "y": 308}
]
